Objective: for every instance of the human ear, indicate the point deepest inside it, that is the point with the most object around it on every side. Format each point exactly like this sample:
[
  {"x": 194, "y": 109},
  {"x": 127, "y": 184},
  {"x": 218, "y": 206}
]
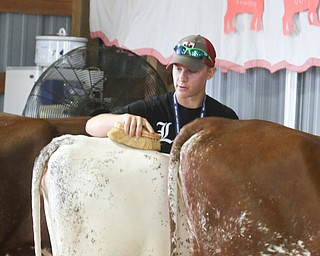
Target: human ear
[{"x": 211, "y": 72}]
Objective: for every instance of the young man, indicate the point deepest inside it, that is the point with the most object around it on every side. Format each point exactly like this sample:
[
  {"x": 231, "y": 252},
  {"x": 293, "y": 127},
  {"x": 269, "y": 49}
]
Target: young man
[{"x": 193, "y": 64}]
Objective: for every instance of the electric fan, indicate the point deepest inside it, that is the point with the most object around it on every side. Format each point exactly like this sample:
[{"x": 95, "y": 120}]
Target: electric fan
[{"x": 91, "y": 80}]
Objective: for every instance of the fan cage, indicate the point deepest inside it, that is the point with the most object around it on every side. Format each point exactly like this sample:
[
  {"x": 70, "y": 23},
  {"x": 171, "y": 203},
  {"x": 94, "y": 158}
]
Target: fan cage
[{"x": 91, "y": 80}]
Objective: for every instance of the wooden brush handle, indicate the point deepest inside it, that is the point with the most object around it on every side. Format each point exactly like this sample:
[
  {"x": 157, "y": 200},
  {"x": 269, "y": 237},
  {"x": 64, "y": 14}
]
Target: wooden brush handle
[{"x": 145, "y": 133}]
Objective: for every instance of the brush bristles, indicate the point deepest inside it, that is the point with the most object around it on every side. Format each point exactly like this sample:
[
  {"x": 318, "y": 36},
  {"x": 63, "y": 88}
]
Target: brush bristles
[{"x": 146, "y": 143}]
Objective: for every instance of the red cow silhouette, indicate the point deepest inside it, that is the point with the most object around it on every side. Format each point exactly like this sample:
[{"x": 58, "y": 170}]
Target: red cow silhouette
[
  {"x": 243, "y": 6},
  {"x": 294, "y": 6}
]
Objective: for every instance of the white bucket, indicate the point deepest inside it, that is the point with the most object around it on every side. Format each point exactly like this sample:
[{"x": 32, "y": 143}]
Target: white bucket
[{"x": 51, "y": 48}]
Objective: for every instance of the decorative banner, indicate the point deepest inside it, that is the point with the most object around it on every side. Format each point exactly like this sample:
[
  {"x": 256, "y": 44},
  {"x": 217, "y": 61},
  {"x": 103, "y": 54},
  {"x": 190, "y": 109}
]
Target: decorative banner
[
  {"x": 272, "y": 34},
  {"x": 256, "y": 8}
]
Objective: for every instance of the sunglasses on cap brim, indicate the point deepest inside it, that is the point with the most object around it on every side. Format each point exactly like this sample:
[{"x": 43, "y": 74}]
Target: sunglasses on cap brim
[{"x": 193, "y": 52}]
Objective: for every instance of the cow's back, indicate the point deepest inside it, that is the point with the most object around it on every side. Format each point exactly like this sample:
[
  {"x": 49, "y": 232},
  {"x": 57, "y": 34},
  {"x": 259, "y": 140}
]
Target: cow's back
[
  {"x": 102, "y": 198},
  {"x": 252, "y": 187},
  {"x": 69, "y": 125}
]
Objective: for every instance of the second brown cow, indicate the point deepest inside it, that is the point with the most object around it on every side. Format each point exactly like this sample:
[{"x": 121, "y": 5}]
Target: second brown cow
[
  {"x": 251, "y": 187},
  {"x": 21, "y": 139}
]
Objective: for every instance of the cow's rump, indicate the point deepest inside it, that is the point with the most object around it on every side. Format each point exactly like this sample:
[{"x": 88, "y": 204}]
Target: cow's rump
[
  {"x": 251, "y": 187},
  {"x": 102, "y": 198}
]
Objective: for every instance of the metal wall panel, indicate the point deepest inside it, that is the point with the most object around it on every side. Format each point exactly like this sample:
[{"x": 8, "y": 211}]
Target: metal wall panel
[
  {"x": 256, "y": 94},
  {"x": 309, "y": 101},
  {"x": 17, "y": 36},
  {"x": 259, "y": 94}
]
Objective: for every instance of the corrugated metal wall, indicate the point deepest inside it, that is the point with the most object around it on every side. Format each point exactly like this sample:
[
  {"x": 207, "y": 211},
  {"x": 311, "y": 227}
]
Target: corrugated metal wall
[
  {"x": 257, "y": 94},
  {"x": 17, "y": 28},
  {"x": 309, "y": 101}
]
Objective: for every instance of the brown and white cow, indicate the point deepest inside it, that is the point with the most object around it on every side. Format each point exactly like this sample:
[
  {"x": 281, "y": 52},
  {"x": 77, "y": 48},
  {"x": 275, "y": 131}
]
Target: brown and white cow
[
  {"x": 21, "y": 140},
  {"x": 251, "y": 187},
  {"x": 103, "y": 198}
]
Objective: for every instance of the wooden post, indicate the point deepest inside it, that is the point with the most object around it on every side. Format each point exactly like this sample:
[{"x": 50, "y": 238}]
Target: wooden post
[
  {"x": 2, "y": 81},
  {"x": 44, "y": 7},
  {"x": 80, "y": 18}
]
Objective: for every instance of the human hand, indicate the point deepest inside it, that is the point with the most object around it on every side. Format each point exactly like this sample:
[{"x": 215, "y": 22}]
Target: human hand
[{"x": 134, "y": 125}]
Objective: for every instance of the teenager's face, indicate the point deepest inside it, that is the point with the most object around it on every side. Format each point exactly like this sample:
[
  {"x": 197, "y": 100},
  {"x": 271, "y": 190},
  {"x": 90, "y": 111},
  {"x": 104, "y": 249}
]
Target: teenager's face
[{"x": 188, "y": 83}]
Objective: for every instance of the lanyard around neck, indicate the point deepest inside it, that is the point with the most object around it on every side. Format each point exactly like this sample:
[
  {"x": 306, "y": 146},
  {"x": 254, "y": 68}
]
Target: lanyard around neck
[{"x": 176, "y": 111}]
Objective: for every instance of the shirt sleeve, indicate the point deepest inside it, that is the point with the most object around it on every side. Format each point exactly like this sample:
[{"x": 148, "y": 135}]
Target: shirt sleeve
[{"x": 136, "y": 108}]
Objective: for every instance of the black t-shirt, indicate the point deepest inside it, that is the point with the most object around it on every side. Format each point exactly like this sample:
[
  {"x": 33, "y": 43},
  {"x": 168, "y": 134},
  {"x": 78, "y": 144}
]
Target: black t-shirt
[{"x": 160, "y": 113}]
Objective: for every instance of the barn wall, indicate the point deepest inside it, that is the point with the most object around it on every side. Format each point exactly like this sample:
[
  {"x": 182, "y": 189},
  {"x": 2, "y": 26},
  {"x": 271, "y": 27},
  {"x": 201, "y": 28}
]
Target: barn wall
[
  {"x": 257, "y": 94},
  {"x": 16, "y": 28},
  {"x": 308, "y": 113}
]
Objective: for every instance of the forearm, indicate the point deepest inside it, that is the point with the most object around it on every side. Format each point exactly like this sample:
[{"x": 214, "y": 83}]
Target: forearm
[{"x": 100, "y": 125}]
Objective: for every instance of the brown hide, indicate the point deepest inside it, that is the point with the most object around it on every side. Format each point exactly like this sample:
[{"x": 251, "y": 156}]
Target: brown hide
[
  {"x": 74, "y": 125},
  {"x": 21, "y": 140},
  {"x": 251, "y": 187}
]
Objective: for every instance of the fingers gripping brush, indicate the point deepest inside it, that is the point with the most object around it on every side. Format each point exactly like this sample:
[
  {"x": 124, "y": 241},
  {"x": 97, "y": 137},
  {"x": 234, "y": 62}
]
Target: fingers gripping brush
[{"x": 147, "y": 141}]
